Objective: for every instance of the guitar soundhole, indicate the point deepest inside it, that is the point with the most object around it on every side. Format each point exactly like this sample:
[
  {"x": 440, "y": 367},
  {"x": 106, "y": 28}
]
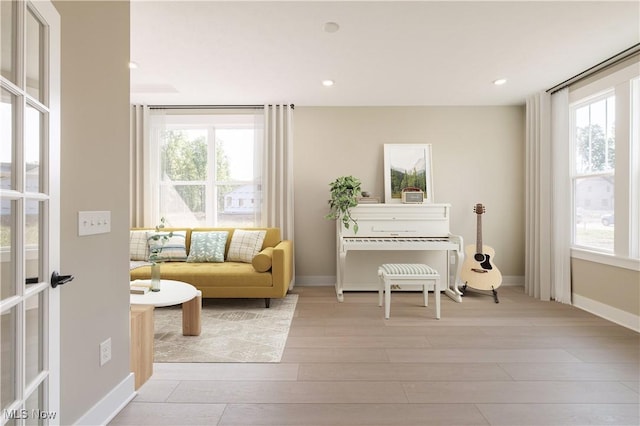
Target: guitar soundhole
[{"x": 484, "y": 260}]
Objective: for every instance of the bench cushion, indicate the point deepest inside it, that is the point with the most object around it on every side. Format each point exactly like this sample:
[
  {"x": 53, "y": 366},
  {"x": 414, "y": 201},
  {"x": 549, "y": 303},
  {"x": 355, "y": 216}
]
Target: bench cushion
[{"x": 407, "y": 269}]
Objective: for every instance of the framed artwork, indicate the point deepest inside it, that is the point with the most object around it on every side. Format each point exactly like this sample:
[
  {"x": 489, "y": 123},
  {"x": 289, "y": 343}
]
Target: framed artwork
[{"x": 405, "y": 166}]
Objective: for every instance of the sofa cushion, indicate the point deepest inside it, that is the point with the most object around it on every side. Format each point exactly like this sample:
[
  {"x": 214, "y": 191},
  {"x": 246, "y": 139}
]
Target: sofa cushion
[
  {"x": 262, "y": 261},
  {"x": 173, "y": 249},
  {"x": 245, "y": 245},
  {"x": 209, "y": 275},
  {"x": 207, "y": 246},
  {"x": 138, "y": 245}
]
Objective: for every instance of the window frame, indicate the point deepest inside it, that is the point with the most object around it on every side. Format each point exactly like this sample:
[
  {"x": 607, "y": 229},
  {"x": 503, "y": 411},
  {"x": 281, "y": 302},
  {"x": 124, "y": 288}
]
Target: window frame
[
  {"x": 576, "y": 175},
  {"x": 209, "y": 122},
  {"x": 625, "y": 83}
]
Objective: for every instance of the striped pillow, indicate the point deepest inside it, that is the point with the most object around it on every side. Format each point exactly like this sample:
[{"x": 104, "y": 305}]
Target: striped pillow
[{"x": 172, "y": 250}]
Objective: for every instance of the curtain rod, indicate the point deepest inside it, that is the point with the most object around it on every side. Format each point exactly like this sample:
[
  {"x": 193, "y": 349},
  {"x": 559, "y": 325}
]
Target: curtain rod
[
  {"x": 615, "y": 59},
  {"x": 210, "y": 106}
]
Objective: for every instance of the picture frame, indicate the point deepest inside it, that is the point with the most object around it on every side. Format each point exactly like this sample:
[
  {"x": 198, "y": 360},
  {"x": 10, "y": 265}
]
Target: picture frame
[{"x": 407, "y": 165}]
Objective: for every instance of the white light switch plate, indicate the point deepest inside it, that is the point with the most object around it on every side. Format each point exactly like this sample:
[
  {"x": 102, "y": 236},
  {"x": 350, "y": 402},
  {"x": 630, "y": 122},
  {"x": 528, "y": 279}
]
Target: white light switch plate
[{"x": 90, "y": 223}]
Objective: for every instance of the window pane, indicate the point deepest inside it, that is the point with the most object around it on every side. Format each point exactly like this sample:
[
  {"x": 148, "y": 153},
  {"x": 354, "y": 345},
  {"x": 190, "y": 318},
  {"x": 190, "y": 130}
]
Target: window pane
[
  {"x": 33, "y": 238},
  {"x": 183, "y": 205},
  {"x": 34, "y": 324},
  {"x": 7, "y": 139},
  {"x": 8, "y": 357},
  {"x": 8, "y": 40},
  {"x": 35, "y": 404},
  {"x": 34, "y": 54},
  {"x": 594, "y": 214},
  {"x": 184, "y": 155},
  {"x": 234, "y": 154},
  {"x": 7, "y": 248},
  {"x": 237, "y": 205},
  {"x": 33, "y": 148},
  {"x": 595, "y": 136}
]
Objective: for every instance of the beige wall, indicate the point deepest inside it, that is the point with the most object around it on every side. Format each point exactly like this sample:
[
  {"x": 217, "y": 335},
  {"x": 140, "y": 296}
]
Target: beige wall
[
  {"x": 95, "y": 176},
  {"x": 478, "y": 157},
  {"x": 609, "y": 285}
]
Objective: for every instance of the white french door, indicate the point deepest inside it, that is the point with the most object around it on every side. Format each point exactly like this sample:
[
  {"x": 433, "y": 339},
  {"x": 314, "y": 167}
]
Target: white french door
[{"x": 29, "y": 214}]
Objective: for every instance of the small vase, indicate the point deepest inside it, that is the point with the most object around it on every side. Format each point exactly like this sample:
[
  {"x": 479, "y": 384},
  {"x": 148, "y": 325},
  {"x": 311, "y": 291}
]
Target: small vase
[{"x": 155, "y": 277}]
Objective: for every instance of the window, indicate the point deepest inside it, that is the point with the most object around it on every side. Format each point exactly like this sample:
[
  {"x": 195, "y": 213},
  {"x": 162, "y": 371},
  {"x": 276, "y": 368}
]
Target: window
[
  {"x": 594, "y": 170},
  {"x": 205, "y": 168},
  {"x": 605, "y": 135}
]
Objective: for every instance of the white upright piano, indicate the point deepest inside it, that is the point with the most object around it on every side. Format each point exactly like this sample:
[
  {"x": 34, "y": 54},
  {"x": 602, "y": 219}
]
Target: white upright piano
[{"x": 397, "y": 233}]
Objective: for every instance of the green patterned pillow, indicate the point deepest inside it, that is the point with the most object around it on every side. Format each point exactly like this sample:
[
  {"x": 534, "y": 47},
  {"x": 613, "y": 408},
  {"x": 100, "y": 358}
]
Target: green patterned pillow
[{"x": 207, "y": 246}]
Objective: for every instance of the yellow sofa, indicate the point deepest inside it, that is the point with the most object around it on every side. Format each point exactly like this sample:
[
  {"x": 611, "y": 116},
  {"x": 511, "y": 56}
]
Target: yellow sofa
[{"x": 268, "y": 276}]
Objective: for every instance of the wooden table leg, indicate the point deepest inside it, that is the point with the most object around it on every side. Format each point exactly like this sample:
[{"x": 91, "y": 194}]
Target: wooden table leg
[{"x": 191, "y": 312}]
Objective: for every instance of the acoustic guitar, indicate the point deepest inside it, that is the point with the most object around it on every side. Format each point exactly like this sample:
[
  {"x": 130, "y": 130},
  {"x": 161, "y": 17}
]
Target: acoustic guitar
[{"x": 478, "y": 270}]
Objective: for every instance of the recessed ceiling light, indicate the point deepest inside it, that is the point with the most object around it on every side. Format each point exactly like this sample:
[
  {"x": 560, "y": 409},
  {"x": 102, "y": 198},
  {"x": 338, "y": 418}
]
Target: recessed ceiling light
[
  {"x": 133, "y": 65},
  {"x": 500, "y": 81},
  {"x": 330, "y": 27},
  {"x": 328, "y": 83}
]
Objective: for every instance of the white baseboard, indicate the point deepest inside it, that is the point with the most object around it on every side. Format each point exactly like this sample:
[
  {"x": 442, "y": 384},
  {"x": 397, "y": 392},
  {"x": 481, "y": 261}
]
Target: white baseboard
[
  {"x": 623, "y": 318},
  {"x": 109, "y": 406},
  {"x": 330, "y": 280}
]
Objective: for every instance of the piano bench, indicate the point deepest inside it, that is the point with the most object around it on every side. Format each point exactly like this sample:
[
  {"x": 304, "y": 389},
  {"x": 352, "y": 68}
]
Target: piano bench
[{"x": 415, "y": 274}]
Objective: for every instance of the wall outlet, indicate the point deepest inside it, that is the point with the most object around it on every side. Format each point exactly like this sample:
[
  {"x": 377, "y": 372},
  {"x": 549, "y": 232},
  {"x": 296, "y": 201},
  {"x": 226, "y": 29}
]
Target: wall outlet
[{"x": 105, "y": 352}]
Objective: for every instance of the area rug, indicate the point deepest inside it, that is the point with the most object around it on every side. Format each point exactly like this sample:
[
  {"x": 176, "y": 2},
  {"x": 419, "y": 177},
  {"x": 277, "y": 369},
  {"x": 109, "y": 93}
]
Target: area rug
[{"x": 233, "y": 330}]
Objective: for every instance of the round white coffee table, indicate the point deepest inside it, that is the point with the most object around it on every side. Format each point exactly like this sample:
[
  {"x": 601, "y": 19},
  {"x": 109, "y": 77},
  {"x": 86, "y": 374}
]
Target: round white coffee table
[{"x": 175, "y": 293}]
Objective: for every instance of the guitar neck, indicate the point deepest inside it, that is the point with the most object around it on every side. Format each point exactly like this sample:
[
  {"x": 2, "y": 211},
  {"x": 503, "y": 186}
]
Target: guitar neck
[{"x": 479, "y": 234}]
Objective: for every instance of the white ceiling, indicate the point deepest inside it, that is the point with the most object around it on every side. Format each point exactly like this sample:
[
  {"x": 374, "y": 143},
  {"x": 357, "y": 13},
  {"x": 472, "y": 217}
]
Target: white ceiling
[{"x": 385, "y": 53}]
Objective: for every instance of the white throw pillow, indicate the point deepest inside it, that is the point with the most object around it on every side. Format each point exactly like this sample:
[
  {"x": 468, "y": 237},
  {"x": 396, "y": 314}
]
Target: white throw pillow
[
  {"x": 245, "y": 245},
  {"x": 138, "y": 246}
]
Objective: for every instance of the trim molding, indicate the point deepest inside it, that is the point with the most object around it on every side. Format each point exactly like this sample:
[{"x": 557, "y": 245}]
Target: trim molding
[
  {"x": 112, "y": 403},
  {"x": 606, "y": 259},
  {"x": 623, "y": 318}
]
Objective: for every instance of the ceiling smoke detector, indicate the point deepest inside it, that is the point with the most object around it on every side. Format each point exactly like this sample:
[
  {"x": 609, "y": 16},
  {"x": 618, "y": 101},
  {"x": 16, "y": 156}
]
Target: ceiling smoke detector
[{"x": 330, "y": 27}]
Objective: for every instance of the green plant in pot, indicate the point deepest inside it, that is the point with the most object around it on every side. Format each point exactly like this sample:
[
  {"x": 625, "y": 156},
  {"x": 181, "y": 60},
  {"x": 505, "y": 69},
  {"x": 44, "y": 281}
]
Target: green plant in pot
[
  {"x": 157, "y": 242},
  {"x": 344, "y": 195}
]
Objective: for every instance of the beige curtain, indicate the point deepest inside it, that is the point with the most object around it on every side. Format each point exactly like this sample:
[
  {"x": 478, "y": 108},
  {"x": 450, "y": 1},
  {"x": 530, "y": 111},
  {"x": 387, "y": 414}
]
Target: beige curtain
[
  {"x": 139, "y": 118},
  {"x": 277, "y": 184},
  {"x": 547, "y": 206}
]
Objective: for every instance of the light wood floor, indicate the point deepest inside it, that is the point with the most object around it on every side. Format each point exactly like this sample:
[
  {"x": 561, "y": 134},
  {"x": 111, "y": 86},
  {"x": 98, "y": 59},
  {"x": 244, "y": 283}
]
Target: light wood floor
[{"x": 519, "y": 362}]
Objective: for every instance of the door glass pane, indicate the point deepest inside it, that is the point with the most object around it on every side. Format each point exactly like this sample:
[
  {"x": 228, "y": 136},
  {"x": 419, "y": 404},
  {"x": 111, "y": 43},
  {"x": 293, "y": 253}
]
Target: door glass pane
[
  {"x": 35, "y": 410},
  {"x": 33, "y": 148},
  {"x": 7, "y": 248},
  {"x": 8, "y": 327},
  {"x": 34, "y": 68},
  {"x": 8, "y": 40},
  {"x": 7, "y": 141},
  {"x": 33, "y": 327},
  {"x": 33, "y": 241}
]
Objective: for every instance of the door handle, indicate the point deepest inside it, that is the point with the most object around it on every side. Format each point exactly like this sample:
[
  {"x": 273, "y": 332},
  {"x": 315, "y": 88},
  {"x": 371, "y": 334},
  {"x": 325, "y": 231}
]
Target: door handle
[{"x": 57, "y": 279}]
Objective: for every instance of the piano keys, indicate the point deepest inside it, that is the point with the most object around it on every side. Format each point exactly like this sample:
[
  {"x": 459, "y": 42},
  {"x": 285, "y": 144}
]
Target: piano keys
[{"x": 398, "y": 228}]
